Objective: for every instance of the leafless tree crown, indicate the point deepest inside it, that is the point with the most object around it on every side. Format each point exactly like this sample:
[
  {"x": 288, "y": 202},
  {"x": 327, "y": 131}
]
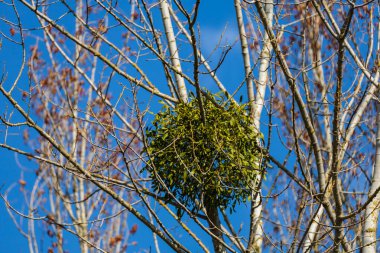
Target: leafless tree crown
[{"x": 88, "y": 78}]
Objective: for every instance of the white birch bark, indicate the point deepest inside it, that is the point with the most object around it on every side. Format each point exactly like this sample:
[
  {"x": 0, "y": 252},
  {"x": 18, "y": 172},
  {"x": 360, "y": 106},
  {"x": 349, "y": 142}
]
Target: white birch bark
[
  {"x": 245, "y": 53},
  {"x": 80, "y": 194},
  {"x": 259, "y": 104},
  {"x": 200, "y": 55},
  {"x": 264, "y": 66},
  {"x": 255, "y": 243},
  {"x": 313, "y": 230},
  {"x": 174, "y": 56},
  {"x": 372, "y": 210}
]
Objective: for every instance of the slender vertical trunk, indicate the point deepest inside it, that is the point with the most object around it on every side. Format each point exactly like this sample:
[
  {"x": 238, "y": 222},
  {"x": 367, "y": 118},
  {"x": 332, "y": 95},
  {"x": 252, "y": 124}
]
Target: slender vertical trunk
[
  {"x": 254, "y": 243},
  {"x": 256, "y": 206},
  {"x": 215, "y": 228},
  {"x": 245, "y": 53},
  {"x": 256, "y": 233},
  {"x": 372, "y": 211},
  {"x": 174, "y": 56},
  {"x": 264, "y": 67},
  {"x": 256, "y": 227},
  {"x": 80, "y": 194},
  {"x": 313, "y": 230}
]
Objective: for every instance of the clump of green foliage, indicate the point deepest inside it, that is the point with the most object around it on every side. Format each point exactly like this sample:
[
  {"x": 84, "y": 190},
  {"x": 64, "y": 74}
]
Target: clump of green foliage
[{"x": 213, "y": 161}]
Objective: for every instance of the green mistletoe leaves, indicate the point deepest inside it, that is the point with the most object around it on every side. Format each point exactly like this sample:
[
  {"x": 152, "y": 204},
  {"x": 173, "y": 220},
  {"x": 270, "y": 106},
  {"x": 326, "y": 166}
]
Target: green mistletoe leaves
[{"x": 215, "y": 162}]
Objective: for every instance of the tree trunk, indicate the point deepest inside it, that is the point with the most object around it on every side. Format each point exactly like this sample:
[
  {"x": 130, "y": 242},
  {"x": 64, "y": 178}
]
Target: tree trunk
[
  {"x": 174, "y": 56},
  {"x": 372, "y": 210},
  {"x": 313, "y": 231},
  {"x": 215, "y": 228}
]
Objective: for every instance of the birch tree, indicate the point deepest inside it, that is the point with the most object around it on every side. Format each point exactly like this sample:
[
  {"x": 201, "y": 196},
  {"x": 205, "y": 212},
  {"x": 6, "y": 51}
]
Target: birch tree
[{"x": 265, "y": 141}]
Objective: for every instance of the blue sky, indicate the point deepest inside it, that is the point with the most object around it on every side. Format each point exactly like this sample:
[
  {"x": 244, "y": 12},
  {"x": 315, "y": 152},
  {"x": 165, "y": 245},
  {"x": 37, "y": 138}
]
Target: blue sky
[{"x": 214, "y": 18}]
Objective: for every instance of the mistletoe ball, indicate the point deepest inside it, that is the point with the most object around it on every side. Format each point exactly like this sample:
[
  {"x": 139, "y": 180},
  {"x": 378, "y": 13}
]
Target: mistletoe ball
[{"x": 213, "y": 160}]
